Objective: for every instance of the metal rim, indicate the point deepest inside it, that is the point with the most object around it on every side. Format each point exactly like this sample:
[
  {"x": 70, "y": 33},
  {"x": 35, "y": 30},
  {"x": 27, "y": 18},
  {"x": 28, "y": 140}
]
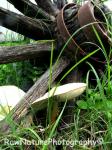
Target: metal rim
[
  {"x": 72, "y": 45},
  {"x": 86, "y": 18}
]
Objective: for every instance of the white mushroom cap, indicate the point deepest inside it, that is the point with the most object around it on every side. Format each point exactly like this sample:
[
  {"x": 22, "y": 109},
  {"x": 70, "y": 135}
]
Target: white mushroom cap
[
  {"x": 60, "y": 93},
  {"x": 9, "y": 97}
]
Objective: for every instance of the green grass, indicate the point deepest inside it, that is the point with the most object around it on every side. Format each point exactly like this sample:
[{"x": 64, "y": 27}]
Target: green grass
[{"x": 13, "y": 43}]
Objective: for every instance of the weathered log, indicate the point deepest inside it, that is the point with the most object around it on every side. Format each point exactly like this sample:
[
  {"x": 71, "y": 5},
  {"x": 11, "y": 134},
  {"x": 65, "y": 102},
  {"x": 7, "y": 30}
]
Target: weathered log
[
  {"x": 29, "y": 9},
  {"x": 38, "y": 90},
  {"x": 32, "y": 28},
  {"x": 48, "y": 6},
  {"x": 24, "y": 52}
]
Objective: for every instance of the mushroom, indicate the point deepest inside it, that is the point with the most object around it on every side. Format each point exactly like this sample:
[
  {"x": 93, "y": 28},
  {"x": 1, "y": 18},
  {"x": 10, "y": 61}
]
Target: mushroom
[
  {"x": 59, "y": 94},
  {"x": 9, "y": 97}
]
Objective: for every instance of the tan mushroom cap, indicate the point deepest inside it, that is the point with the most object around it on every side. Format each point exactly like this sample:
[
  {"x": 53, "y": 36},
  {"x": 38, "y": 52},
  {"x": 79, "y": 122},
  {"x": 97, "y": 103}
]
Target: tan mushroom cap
[{"x": 60, "y": 94}]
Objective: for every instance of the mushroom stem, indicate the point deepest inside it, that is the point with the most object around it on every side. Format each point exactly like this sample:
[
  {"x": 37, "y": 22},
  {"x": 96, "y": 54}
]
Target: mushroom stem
[{"x": 55, "y": 112}]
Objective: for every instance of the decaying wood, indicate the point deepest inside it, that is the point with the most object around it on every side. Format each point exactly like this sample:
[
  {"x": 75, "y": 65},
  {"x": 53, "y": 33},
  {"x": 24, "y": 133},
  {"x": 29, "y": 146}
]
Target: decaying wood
[
  {"x": 60, "y": 3},
  {"x": 18, "y": 53},
  {"x": 38, "y": 90},
  {"x": 32, "y": 28},
  {"x": 48, "y": 6},
  {"x": 29, "y": 9},
  {"x": 72, "y": 23}
]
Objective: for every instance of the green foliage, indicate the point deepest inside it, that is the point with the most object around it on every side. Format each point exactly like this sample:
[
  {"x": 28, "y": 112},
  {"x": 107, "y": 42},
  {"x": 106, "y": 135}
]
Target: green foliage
[
  {"x": 18, "y": 73},
  {"x": 21, "y": 74}
]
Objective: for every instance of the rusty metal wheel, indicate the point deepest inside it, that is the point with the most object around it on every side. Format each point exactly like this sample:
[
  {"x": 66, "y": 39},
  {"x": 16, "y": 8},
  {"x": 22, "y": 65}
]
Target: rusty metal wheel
[
  {"x": 88, "y": 17},
  {"x": 77, "y": 23}
]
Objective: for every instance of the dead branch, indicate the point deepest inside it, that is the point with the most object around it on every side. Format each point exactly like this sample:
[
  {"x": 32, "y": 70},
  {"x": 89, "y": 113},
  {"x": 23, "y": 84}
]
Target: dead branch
[
  {"x": 32, "y": 28},
  {"x": 29, "y": 9},
  {"x": 18, "y": 53}
]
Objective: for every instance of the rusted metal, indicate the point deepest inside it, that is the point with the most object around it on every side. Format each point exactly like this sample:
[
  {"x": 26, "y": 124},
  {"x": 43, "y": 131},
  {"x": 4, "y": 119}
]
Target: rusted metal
[
  {"x": 83, "y": 20},
  {"x": 72, "y": 46},
  {"x": 87, "y": 18}
]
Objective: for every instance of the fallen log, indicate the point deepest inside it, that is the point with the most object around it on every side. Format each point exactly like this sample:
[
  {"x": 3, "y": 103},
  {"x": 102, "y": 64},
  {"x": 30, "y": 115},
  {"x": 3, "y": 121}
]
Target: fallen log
[{"x": 24, "y": 52}]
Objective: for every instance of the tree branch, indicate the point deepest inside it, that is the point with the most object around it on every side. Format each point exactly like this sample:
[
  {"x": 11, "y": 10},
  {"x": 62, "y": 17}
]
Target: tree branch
[
  {"x": 48, "y": 6},
  {"x": 18, "y": 53},
  {"x": 29, "y": 9},
  {"x": 38, "y": 90},
  {"x": 32, "y": 28}
]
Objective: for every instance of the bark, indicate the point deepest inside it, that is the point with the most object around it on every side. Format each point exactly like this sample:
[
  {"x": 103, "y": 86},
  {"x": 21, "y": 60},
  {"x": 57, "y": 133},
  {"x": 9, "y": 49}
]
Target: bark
[
  {"x": 32, "y": 28},
  {"x": 18, "y": 53},
  {"x": 60, "y": 3},
  {"x": 38, "y": 90},
  {"x": 48, "y": 6},
  {"x": 30, "y": 9}
]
